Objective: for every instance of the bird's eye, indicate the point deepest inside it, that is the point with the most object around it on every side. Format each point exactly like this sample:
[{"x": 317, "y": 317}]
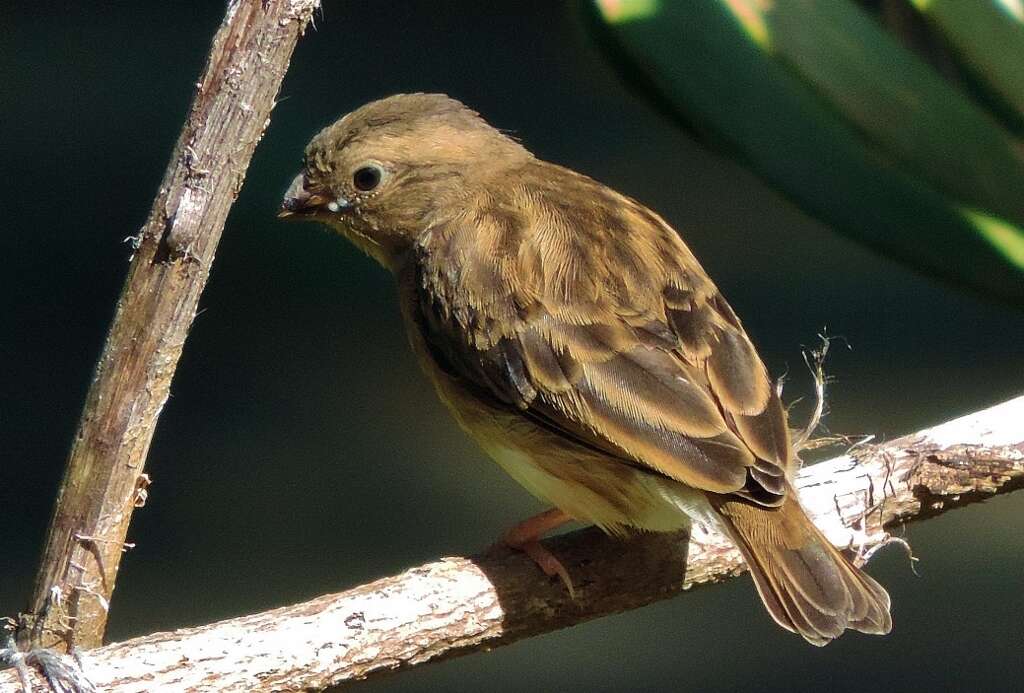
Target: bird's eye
[{"x": 367, "y": 178}]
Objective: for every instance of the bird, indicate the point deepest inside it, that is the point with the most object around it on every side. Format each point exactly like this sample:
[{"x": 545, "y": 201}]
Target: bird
[{"x": 573, "y": 334}]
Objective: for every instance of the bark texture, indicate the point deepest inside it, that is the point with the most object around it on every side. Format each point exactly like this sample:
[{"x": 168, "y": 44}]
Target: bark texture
[
  {"x": 104, "y": 479},
  {"x": 456, "y": 606}
]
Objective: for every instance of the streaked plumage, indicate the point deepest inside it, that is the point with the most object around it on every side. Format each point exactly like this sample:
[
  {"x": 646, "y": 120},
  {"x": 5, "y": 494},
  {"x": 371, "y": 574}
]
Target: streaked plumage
[{"x": 575, "y": 336}]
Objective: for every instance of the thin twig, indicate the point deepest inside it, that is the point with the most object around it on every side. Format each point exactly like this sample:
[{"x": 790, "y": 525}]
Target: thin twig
[{"x": 815, "y": 362}]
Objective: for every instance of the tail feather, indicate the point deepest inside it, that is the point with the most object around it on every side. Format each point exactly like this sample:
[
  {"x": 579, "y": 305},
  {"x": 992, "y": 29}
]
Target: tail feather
[{"x": 807, "y": 585}]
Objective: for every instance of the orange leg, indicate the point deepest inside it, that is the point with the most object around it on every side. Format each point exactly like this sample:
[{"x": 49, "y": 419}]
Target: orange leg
[{"x": 526, "y": 535}]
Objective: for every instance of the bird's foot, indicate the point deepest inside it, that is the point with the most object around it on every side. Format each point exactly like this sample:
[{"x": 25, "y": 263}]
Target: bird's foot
[{"x": 525, "y": 537}]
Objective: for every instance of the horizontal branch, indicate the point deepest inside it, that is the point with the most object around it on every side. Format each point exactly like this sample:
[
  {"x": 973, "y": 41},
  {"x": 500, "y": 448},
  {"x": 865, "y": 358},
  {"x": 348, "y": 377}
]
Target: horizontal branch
[{"x": 460, "y": 605}]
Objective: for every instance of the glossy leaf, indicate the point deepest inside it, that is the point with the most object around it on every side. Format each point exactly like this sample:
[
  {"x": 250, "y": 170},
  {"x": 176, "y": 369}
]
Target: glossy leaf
[
  {"x": 819, "y": 100},
  {"x": 988, "y": 39}
]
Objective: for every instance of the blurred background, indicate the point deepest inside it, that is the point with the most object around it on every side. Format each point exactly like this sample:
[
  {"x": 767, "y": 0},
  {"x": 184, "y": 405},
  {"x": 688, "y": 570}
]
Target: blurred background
[{"x": 302, "y": 452}]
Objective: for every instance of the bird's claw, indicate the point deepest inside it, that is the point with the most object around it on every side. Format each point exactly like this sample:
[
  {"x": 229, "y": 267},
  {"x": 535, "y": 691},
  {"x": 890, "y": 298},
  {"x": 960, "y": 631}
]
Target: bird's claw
[
  {"x": 525, "y": 537},
  {"x": 547, "y": 562}
]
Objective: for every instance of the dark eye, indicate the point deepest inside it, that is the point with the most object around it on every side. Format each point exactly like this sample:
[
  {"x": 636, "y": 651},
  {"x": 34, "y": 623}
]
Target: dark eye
[{"x": 367, "y": 178}]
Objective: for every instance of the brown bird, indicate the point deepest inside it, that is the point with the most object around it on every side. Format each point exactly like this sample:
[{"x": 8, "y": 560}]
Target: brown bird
[{"x": 574, "y": 335}]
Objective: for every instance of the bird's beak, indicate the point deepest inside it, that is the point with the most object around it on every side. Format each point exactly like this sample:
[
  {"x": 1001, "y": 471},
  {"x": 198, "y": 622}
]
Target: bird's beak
[{"x": 300, "y": 202}]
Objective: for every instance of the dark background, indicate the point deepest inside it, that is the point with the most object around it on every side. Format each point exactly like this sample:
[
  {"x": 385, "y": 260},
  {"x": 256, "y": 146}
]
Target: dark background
[{"x": 301, "y": 451}]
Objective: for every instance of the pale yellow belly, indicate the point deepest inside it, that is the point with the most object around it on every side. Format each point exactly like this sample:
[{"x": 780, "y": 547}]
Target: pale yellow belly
[
  {"x": 590, "y": 486},
  {"x": 606, "y": 493}
]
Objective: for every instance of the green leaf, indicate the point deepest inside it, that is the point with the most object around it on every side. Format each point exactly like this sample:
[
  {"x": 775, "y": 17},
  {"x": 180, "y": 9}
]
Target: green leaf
[
  {"x": 821, "y": 102},
  {"x": 988, "y": 38}
]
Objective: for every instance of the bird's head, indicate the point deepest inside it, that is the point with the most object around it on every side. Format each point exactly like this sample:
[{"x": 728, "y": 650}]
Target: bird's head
[{"x": 391, "y": 169}]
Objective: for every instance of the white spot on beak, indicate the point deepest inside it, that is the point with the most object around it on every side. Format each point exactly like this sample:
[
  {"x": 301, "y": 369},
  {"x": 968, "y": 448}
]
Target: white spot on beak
[{"x": 339, "y": 205}]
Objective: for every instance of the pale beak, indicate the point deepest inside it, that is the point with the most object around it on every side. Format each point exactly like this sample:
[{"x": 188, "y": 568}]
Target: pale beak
[{"x": 298, "y": 201}]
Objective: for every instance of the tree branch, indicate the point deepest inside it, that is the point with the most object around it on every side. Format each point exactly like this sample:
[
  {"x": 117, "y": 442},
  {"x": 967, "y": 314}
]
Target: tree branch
[
  {"x": 456, "y": 606},
  {"x": 104, "y": 479}
]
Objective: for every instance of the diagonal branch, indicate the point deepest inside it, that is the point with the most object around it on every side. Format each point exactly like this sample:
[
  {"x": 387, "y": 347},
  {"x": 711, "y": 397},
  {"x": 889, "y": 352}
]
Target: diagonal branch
[
  {"x": 457, "y": 606},
  {"x": 104, "y": 479}
]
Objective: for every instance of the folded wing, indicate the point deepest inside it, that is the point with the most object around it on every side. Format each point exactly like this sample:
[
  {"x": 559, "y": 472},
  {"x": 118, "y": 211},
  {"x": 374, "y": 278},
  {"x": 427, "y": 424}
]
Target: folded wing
[{"x": 598, "y": 322}]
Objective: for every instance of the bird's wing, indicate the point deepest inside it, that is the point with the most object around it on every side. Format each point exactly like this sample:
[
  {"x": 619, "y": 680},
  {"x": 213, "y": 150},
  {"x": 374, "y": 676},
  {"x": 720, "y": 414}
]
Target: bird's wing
[{"x": 595, "y": 320}]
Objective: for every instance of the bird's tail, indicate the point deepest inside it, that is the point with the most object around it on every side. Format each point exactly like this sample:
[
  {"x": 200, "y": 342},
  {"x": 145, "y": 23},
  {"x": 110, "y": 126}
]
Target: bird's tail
[{"x": 808, "y": 586}]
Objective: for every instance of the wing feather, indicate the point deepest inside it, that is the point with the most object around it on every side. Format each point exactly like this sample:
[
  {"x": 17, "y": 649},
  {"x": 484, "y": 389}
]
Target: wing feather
[{"x": 598, "y": 322}]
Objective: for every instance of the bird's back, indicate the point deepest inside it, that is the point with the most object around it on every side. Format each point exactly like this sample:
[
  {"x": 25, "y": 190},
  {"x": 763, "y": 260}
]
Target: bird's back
[{"x": 579, "y": 306}]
